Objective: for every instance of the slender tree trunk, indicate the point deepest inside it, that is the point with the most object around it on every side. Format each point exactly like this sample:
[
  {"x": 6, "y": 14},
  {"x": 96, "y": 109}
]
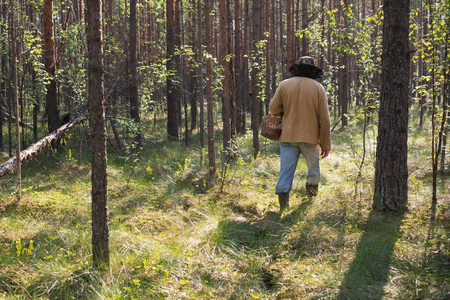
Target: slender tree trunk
[
  {"x": 289, "y": 34},
  {"x": 172, "y": 89},
  {"x": 4, "y": 70},
  {"x": 422, "y": 66},
  {"x": 305, "y": 41},
  {"x": 232, "y": 77},
  {"x": 445, "y": 103},
  {"x": 268, "y": 54},
  {"x": 438, "y": 128},
  {"x": 14, "y": 57},
  {"x": 209, "y": 95},
  {"x": 344, "y": 88},
  {"x": 34, "y": 90},
  {"x": 52, "y": 107},
  {"x": 201, "y": 91},
  {"x": 256, "y": 11},
  {"x": 444, "y": 147},
  {"x": 194, "y": 82},
  {"x": 134, "y": 96},
  {"x": 150, "y": 29},
  {"x": 343, "y": 79},
  {"x": 376, "y": 78},
  {"x": 391, "y": 168},
  {"x": 178, "y": 63},
  {"x": 298, "y": 17},
  {"x": 329, "y": 39},
  {"x": 100, "y": 230},
  {"x": 322, "y": 35},
  {"x": 226, "y": 74},
  {"x": 245, "y": 67},
  {"x": 9, "y": 92},
  {"x": 185, "y": 80},
  {"x": 239, "y": 68},
  {"x": 274, "y": 59}
]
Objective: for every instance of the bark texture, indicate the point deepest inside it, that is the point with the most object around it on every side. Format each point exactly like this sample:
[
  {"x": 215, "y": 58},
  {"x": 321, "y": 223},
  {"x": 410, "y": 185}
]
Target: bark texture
[
  {"x": 255, "y": 89},
  {"x": 391, "y": 173},
  {"x": 14, "y": 57},
  {"x": 134, "y": 96},
  {"x": 100, "y": 230},
  {"x": 172, "y": 89},
  {"x": 52, "y": 108},
  {"x": 209, "y": 95},
  {"x": 226, "y": 74}
]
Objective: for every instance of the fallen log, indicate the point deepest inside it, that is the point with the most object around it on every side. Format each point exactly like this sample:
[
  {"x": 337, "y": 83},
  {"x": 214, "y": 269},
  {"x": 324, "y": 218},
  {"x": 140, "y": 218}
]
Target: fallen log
[{"x": 33, "y": 150}]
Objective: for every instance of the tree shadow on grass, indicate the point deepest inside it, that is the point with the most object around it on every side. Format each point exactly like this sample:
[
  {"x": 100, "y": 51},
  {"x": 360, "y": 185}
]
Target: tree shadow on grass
[
  {"x": 265, "y": 232},
  {"x": 436, "y": 261},
  {"x": 370, "y": 269},
  {"x": 244, "y": 239},
  {"x": 299, "y": 211}
]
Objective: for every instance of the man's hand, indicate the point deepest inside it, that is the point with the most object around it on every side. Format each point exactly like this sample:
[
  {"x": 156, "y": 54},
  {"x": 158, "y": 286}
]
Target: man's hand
[{"x": 324, "y": 153}]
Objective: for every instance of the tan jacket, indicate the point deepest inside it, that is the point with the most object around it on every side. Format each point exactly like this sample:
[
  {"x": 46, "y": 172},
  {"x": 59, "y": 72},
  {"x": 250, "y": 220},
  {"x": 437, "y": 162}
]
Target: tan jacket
[{"x": 303, "y": 102}]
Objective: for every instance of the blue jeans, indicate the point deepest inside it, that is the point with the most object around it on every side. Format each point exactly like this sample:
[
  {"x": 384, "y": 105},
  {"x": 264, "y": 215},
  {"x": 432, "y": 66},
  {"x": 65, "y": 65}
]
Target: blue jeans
[{"x": 289, "y": 155}]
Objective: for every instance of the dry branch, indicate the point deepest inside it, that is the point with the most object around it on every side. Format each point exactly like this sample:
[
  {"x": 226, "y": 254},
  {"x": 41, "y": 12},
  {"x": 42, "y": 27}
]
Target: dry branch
[
  {"x": 9, "y": 117},
  {"x": 33, "y": 150}
]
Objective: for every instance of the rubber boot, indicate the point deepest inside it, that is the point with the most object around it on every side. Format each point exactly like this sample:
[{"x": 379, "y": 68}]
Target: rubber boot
[
  {"x": 283, "y": 198},
  {"x": 312, "y": 190}
]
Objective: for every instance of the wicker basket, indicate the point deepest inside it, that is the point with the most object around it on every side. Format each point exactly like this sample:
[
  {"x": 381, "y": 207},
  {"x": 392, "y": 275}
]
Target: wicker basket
[{"x": 271, "y": 127}]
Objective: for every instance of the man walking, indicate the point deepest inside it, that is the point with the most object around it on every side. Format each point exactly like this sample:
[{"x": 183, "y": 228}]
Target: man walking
[{"x": 302, "y": 103}]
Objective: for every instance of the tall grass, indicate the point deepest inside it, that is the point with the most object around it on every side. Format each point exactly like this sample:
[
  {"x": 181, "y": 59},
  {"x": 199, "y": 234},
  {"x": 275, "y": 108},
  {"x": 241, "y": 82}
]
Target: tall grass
[{"x": 173, "y": 235}]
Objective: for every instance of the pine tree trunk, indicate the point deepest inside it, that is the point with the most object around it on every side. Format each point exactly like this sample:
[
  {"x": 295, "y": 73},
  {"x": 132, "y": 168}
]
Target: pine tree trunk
[
  {"x": 134, "y": 96},
  {"x": 225, "y": 76},
  {"x": 178, "y": 64},
  {"x": 322, "y": 35},
  {"x": 200, "y": 61},
  {"x": 344, "y": 88},
  {"x": 4, "y": 70},
  {"x": 208, "y": 89},
  {"x": 13, "y": 48},
  {"x": 34, "y": 90},
  {"x": 391, "y": 168},
  {"x": 256, "y": 11},
  {"x": 273, "y": 49},
  {"x": 194, "y": 81},
  {"x": 239, "y": 60},
  {"x": 422, "y": 66},
  {"x": 329, "y": 40},
  {"x": 172, "y": 89},
  {"x": 268, "y": 54},
  {"x": 289, "y": 35},
  {"x": 100, "y": 230},
  {"x": 232, "y": 77},
  {"x": 305, "y": 46},
  {"x": 245, "y": 66},
  {"x": 52, "y": 107}
]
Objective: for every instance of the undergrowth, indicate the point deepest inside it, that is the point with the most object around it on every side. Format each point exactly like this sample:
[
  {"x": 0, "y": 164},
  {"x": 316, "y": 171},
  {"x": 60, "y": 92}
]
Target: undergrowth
[{"x": 174, "y": 235}]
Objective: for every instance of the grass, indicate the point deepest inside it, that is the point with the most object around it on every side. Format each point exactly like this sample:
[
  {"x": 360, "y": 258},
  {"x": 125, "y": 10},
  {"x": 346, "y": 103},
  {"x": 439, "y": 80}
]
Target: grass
[{"x": 173, "y": 235}]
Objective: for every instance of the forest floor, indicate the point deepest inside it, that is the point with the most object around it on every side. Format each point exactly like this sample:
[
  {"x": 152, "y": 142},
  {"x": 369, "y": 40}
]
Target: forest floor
[{"x": 174, "y": 234}]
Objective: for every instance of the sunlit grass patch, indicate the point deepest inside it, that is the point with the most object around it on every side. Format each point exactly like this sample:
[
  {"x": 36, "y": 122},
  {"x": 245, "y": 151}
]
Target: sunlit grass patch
[{"x": 175, "y": 234}]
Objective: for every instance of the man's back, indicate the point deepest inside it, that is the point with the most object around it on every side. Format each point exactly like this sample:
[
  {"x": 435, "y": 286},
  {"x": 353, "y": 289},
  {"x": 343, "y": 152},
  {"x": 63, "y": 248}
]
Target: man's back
[{"x": 304, "y": 105}]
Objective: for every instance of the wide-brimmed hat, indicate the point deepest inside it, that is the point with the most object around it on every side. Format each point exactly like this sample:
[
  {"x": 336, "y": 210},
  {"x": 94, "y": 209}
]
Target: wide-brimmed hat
[{"x": 306, "y": 67}]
